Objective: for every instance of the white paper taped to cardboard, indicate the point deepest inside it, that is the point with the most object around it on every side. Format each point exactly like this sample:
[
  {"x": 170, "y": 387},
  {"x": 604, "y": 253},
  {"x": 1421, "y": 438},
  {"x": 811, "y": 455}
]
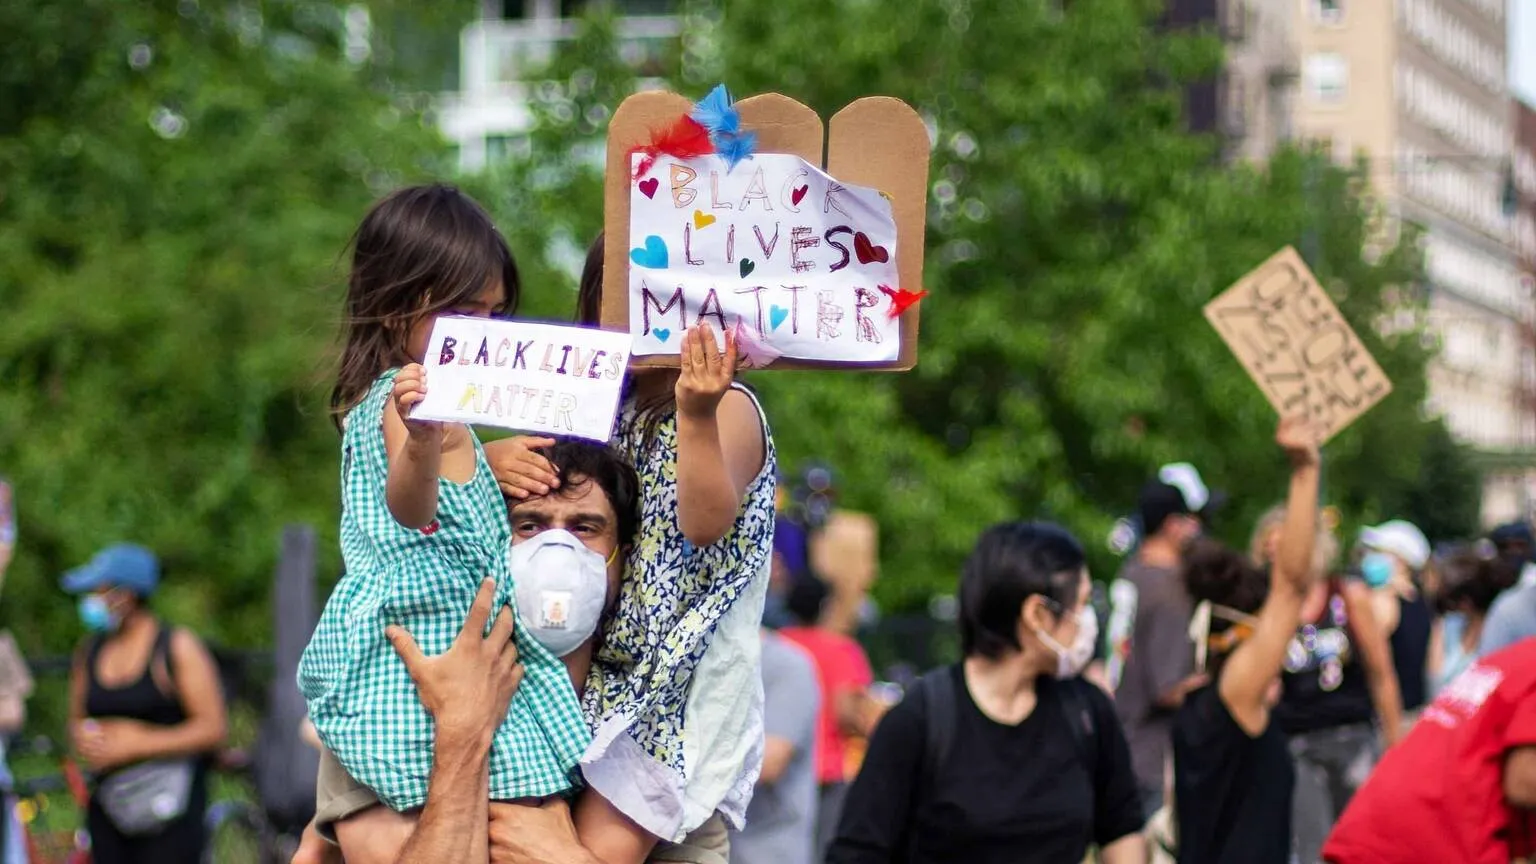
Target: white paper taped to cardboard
[
  {"x": 774, "y": 247},
  {"x": 531, "y": 377}
]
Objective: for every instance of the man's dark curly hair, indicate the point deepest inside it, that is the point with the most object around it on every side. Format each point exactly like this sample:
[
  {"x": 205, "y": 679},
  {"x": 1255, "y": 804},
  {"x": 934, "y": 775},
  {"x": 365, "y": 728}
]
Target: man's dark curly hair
[{"x": 577, "y": 459}]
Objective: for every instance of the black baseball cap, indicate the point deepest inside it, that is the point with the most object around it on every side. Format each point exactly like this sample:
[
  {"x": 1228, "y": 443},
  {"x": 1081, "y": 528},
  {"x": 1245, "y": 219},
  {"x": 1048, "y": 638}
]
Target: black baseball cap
[{"x": 1177, "y": 490}]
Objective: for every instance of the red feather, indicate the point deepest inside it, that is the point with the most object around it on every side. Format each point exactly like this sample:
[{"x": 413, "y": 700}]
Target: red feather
[
  {"x": 685, "y": 139},
  {"x": 901, "y": 299}
]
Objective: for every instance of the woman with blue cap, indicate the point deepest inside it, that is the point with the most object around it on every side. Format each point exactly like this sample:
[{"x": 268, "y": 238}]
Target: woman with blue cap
[{"x": 145, "y": 712}]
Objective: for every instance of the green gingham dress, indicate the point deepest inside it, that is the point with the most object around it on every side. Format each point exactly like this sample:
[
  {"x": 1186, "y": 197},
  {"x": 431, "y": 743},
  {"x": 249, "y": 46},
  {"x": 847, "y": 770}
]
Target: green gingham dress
[{"x": 360, "y": 696}]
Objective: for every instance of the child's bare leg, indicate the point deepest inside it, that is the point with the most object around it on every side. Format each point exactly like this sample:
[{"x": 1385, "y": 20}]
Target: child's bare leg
[
  {"x": 610, "y": 835},
  {"x": 375, "y": 835}
]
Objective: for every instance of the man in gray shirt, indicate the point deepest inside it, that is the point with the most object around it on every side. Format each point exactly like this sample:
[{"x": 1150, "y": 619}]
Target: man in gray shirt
[
  {"x": 1149, "y": 593},
  {"x": 781, "y": 820}
]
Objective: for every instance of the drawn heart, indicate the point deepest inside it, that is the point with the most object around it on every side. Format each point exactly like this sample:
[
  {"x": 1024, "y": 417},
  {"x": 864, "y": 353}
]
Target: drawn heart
[
  {"x": 653, "y": 255},
  {"x": 799, "y": 193},
  {"x": 776, "y": 316},
  {"x": 747, "y": 267},
  {"x": 648, "y": 187},
  {"x": 702, "y": 220},
  {"x": 661, "y": 333},
  {"x": 868, "y": 251}
]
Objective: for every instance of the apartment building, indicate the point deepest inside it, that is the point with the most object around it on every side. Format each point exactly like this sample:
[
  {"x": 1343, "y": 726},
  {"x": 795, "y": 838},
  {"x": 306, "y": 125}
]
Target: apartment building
[
  {"x": 487, "y": 118},
  {"x": 1418, "y": 87}
]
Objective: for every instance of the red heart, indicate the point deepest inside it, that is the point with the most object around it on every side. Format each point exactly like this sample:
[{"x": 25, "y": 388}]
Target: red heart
[
  {"x": 868, "y": 251},
  {"x": 648, "y": 187},
  {"x": 797, "y": 194}
]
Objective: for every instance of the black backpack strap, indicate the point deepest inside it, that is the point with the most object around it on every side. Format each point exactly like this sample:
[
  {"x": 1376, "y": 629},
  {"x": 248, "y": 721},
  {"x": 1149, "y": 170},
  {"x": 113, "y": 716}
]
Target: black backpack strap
[{"x": 938, "y": 689}]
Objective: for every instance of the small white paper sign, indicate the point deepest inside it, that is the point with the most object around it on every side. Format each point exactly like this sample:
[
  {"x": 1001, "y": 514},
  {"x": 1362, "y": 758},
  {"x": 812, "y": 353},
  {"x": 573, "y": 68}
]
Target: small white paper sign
[
  {"x": 530, "y": 377},
  {"x": 775, "y": 249}
]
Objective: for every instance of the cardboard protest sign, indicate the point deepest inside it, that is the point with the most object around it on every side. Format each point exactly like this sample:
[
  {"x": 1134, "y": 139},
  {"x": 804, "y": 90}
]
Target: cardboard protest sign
[
  {"x": 531, "y": 377},
  {"x": 1296, "y": 346},
  {"x": 806, "y": 265},
  {"x": 714, "y": 244}
]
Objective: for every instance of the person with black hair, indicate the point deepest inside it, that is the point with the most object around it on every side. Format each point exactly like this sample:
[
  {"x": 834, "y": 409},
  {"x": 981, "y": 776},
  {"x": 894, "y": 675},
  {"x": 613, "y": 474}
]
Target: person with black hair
[
  {"x": 1158, "y": 665},
  {"x": 1470, "y": 580},
  {"x": 1233, "y": 776},
  {"x": 847, "y": 709},
  {"x": 1008, "y": 756}
]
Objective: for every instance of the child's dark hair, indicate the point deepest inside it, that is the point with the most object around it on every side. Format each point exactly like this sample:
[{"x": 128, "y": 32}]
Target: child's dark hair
[
  {"x": 573, "y": 458},
  {"x": 421, "y": 251},
  {"x": 1470, "y": 581},
  {"x": 589, "y": 313},
  {"x": 1012, "y": 561},
  {"x": 1225, "y": 577}
]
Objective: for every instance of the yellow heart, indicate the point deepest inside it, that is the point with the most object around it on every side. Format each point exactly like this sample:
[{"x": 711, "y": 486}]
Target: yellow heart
[{"x": 702, "y": 220}]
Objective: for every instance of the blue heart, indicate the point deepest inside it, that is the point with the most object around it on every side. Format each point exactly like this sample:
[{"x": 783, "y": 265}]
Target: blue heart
[
  {"x": 654, "y": 255},
  {"x": 661, "y": 333},
  {"x": 776, "y": 315}
]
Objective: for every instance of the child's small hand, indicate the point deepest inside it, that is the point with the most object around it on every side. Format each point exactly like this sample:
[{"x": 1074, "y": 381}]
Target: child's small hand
[
  {"x": 410, "y": 389},
  {"x": 520, "y": 469},
  {"x": 706, "y": 373}
]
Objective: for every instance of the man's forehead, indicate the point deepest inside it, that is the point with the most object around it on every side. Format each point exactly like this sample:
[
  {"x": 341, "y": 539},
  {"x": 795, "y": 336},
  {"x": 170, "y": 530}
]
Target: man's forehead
[{"x": 576, "y": 495}]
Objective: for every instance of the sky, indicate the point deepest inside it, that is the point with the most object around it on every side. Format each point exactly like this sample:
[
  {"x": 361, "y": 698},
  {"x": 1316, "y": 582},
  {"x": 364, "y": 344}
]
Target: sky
[{"x": 1522, "y": 49}]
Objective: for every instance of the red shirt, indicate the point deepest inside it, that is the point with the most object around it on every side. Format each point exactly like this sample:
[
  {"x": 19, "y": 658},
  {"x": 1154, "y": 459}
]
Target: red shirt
[
  {"x": 1438, "y": 796},
  {"x": 842, "y": 666}
]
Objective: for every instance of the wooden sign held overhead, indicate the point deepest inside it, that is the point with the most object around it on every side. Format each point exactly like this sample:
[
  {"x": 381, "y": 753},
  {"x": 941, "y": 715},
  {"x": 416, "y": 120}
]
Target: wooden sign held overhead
[
  {"x": 802, "y": 263},
  {"x": 1296, "y": 346}
]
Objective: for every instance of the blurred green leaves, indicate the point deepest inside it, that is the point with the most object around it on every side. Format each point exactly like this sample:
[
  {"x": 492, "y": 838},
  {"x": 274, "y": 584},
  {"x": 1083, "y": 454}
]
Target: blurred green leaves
[{"x": 178, "y": 181}]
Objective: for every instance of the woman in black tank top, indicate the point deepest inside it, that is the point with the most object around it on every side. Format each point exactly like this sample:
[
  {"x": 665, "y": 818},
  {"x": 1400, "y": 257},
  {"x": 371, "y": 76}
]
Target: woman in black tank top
[{"x": 140, "y": 693}]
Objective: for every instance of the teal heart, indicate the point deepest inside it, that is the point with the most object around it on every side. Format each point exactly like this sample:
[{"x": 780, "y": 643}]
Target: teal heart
[
  {"x": 747, "y": 267},
  {"x": 661, "y": 333},
  {"x": 653, "y": 256},
  {"x": 776, "y": 316}
]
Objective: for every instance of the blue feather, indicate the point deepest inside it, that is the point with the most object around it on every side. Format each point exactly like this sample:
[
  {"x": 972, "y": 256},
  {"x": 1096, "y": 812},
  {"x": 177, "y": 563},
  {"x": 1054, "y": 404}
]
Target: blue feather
[
  {"x": 735, "y": 148},
  {"x": 717, "y": 113}
]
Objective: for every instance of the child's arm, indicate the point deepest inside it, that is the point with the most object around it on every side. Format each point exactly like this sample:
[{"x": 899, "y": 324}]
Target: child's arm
[
  {"x": 720, "y": 446},
  {"x": 415, "y": 450}
]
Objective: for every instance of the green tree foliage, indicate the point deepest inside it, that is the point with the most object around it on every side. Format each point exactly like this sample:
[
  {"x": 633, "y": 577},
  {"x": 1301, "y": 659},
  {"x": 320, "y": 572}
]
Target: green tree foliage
[
  {"x": 1075, "y": 231},
  {"x": 177, "y": 182}
]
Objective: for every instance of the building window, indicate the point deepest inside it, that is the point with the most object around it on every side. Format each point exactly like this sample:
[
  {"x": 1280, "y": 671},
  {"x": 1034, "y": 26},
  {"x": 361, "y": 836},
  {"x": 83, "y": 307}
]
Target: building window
[
  {"x": 1328, "y": 11},
  {"x": 1327, "y": 77}
]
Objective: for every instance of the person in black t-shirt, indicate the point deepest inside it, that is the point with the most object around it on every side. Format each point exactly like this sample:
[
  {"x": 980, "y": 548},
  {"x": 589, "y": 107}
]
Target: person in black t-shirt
[
  {"x": 1232, "y": 771},
  {"x": 1008, "y": 757}
]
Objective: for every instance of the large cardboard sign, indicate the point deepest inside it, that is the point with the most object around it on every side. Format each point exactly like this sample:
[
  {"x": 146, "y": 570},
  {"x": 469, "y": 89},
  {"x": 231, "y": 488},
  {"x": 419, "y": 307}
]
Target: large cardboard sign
[
  {"x": 800, "y": 268},
  {"x": 1296, "y": 346},
  {"x": 531, "y": 377},
  {"x": 876, "y": 172}
]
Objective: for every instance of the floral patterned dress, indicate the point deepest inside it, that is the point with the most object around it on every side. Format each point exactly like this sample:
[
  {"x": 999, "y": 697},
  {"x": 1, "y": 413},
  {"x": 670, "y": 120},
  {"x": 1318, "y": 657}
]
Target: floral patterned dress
[{"x": 674, "y": 598}]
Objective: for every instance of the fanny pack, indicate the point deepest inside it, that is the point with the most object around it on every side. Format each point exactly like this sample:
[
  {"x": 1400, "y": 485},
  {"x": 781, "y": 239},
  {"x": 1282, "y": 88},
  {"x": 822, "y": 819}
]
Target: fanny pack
[{"x": 145, "y": 798}]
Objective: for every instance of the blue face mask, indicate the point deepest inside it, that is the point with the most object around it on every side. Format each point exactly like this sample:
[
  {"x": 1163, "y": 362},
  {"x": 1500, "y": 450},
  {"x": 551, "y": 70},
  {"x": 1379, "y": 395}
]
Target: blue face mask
[
  {"x": 96, "y": 615},
  {"x": 1377, "y": 568}
]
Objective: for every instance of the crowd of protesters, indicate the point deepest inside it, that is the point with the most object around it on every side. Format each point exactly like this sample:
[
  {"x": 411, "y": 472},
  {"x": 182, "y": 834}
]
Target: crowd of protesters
[{"x": 671, "y": 688}]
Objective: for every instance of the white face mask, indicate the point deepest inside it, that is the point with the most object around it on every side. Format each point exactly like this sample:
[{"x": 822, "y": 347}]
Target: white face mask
[
  {"x": 1070, "y": 662},
  {"x": 561, "y": 588}
]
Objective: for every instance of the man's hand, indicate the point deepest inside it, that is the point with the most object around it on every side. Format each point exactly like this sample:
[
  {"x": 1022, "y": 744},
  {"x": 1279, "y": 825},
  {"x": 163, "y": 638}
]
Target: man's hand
[
  {"x": 521, "y": 834},
  {"x": 467, "y": 688}
]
